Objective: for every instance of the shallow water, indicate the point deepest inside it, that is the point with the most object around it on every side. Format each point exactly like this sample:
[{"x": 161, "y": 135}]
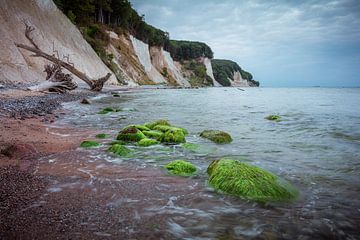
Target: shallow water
[{"x": 316, "y": 146}]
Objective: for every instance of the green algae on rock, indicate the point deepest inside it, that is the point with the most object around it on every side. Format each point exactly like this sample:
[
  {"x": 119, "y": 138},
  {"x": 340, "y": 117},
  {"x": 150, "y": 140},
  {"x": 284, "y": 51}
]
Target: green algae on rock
[
  {"x": 153, "y": 134},
  {"x": 151, "y": 125},
  {"x": 147, "y": 142},
  {"x": 141, "y": 127},
  {"x": 181, "y": 168},
  {"x": 216, "y": 136},
  {"x": 130, "y": 134},
  {"x": 164, "y": 128},
  {"x": 248, "y": 182},
  {"x": 173, "y": 136},
  {"x": 102, "y": 135},
  {"x": 273, "y": 118},
  {"x": 119, "y": 149},
  {"x": 89, "y": 144}
]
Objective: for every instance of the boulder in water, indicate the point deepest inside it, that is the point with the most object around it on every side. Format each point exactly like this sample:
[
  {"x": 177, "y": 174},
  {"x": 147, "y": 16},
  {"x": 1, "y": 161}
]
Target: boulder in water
[
  {"x": 119, "y": 149},
  {"x": 130, "y": 134},
  {"x": 216, "y": 136},
  {"x": 273, "y": 118},
  {"x": 248, "y": 182},
  {"x": 89, "y": 144},
  {"x": 181, "y": 168},
  {"x": 147, "y": 142}
]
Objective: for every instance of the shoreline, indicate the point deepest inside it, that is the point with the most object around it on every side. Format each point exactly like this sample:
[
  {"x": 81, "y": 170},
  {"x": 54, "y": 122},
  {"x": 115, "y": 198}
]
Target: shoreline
[{"x": 47, "y": 181}]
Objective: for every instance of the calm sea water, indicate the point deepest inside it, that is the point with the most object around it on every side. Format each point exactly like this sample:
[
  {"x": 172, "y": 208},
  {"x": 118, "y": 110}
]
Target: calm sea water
[{"x": 316, "y": 146}]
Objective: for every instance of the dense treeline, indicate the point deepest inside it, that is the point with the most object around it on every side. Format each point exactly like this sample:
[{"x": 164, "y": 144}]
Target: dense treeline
[
  {"x": 187, "y": 50},
  {"x": 224, "y": 69},
  {"x": 113, "y": 13}
]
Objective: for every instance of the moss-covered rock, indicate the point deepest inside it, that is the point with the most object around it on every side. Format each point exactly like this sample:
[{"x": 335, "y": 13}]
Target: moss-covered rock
[
  {"x": 181, "y": 168},
  {"x": 102, "y": 135},
  {"x": 273, "y": 118},
  {"x": 153, "y": 134},
  {"x": 89, "y": 144},
  {"x": 130, "y": 134},
  {"x": 151, "y": 125},
  {"x": 248, "y": 182},
  {"x": 141, "y": 127},
  {"x": 147, "y": 142},
  {"x": 108, "y": 109},
  {"x": 165, "y": 128},
  {"x": 119, "y": 149},
  {"x": 216, "y": 136},
  {"x": 173, "y": 136}
]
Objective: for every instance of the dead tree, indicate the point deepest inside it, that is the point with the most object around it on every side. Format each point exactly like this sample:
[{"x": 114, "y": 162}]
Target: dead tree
[
  {"x": 95, "y": 84},
  {"x": 56, "y": 80}
]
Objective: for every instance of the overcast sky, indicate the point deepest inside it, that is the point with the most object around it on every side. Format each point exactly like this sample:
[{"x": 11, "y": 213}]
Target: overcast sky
[{"x": 282, "y": 43}]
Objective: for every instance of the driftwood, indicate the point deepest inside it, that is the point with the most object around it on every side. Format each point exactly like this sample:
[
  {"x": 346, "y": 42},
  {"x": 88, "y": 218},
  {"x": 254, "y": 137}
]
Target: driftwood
[
  {"x": 95, "y": 84},
  {"x": 56, "y": 80}
]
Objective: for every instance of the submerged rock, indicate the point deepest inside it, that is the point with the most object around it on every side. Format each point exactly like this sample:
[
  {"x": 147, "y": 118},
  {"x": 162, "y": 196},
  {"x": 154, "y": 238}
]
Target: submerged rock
[
  {"x": 147, "y": 142},
  {"x": 191, "y": 146},
  {"x": 108, "y": 109},
  {"x": 273, "y": 118},
  {"x": 85, "y": 101},
  {"x": 89, "y": 144},
  {"x": 119, "y": 149},
  {"x": 130, "y": 134},
  {"x": 248, "y": 182},
  {"x": 216, "y": 136},
  {"x": 181, "y": 168},
  {"x": 102, "y": 135}
]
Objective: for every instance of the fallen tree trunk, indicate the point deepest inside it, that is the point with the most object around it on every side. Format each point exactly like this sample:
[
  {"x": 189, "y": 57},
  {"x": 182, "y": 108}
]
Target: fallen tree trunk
[
  {"x": 56, "y": 81},
  {"x": 95, "y": 84}
]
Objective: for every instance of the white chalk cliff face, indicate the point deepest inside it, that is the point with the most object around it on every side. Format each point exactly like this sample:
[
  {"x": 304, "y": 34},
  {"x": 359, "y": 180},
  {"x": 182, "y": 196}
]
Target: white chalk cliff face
[
  {"x": 238, "y": 81},
  {"x": 53, "y": 28},
  {"x": 161, "y": 59},
  {"x": 209, "y": 71},
  {"x": 143, "y": 54}
]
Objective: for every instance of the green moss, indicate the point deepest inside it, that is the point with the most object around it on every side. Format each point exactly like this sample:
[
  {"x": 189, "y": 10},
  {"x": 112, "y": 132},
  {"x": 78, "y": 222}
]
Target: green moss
[
  {"x": 273, "y": 118},
  {"x": 119, "y": 149},
  {"x": 249, "y": 182},
  {"x": 103, "y": 135},
  {"x": 151, "y": 125},
  {"x": 165, "y": 128},
  {"x": 153, "y": 134},
  {"x": 147, "y": 142},
  {"x": 130, "y": 134},
  {"x": 181, "y": 168},
  {"x": 108, "y": 109},
  {"x": 173, "y": 136},
  {"x": 89, "y": 144},
  {"x": 141, "y": 127},
  {"x": 116, "y": 95},
  {"x": 191, "y": 146},
  {"x": 216, "y": 136}
]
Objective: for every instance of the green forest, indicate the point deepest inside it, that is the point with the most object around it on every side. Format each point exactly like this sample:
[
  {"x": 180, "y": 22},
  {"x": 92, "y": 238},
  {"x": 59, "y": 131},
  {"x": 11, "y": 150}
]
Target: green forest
[
  {"x": 187, "y": 50},
  {"x": 223, "y": 69},
  {"x": 117, "y": 14}
]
